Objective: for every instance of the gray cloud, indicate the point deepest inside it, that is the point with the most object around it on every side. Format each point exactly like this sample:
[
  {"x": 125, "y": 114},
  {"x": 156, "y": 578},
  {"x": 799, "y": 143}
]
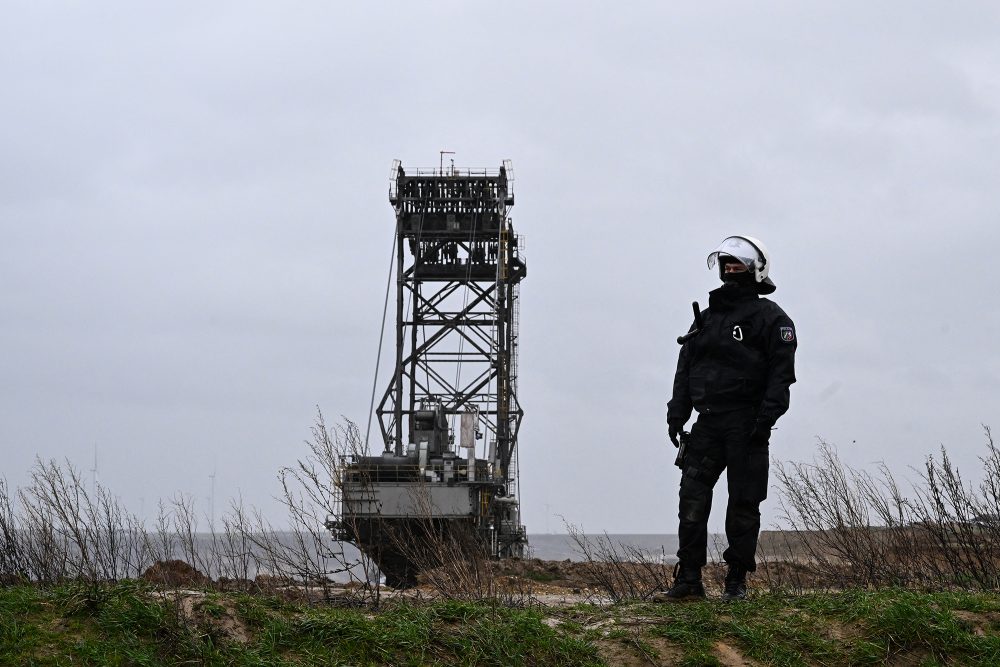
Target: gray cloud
[{"x": 196, "y": 232}]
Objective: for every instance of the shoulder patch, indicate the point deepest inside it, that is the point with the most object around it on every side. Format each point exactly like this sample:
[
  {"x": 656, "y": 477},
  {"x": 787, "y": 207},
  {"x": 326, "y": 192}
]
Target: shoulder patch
[{"x": 787, "y": 334}]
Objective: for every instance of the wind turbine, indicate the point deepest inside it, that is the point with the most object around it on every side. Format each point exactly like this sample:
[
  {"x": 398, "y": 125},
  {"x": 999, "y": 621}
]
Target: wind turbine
[{"x": 211, "y": 501}]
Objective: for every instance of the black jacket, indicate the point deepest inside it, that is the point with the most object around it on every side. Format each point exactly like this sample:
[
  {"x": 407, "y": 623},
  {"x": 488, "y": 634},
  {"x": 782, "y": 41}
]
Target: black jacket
[{"x": 744, "y": 357}]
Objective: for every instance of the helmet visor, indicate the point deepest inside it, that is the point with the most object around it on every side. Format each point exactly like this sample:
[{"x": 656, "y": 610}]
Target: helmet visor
[{"x": 737, "y": 247}]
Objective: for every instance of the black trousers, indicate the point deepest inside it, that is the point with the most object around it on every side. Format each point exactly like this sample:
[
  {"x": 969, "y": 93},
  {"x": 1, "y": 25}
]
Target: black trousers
[{"x": 720, "y": 442}]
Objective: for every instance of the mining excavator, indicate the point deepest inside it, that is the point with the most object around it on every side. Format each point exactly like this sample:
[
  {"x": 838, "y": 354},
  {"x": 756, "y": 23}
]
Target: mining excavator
[{"x": 446, "y": 482}]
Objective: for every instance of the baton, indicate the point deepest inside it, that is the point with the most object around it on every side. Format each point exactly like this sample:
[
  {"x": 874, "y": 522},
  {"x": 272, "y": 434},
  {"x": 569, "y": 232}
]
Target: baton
[{"x": 697, "y": 325}]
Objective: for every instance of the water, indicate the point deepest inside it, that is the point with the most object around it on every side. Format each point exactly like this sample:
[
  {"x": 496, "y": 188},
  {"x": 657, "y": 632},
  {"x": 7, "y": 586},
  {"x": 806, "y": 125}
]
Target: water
[{"x": 554, "y": 546}]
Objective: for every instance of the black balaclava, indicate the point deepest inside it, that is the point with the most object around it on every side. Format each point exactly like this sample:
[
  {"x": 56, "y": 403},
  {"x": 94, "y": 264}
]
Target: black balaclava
[{"x": 743, "y": 278}]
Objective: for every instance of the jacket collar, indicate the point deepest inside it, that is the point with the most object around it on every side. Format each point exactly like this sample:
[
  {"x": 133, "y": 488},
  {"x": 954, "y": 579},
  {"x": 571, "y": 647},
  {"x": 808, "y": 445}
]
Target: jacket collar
[{"x": 727, "y": 296}]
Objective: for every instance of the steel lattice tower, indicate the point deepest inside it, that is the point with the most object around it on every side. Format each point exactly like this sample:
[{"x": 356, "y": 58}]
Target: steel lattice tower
[{"x": 458, "y": 268}]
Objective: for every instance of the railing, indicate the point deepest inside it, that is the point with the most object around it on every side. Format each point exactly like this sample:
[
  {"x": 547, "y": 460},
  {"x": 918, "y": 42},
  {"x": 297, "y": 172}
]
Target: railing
[
  {"x": 353, "y": 473},
  {"x": 452, "y": 171},
  {"x": 449, "y": 172}
]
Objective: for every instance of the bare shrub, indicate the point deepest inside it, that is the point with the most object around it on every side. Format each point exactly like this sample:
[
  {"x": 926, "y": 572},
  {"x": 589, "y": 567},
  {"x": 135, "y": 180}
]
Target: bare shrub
[
  {"x": 834, "y": 505},
  {"x": 238, "y": 562},
  {"x": 780, "y": 566},
  {"x": 305, "y": 550},
  {"x": 960, "y": 522},
  {"x": 184, "y": 521},
  {"x": 54, "y": 530},
  {"x": 450, "y": 558},
  {"x": 14, "y": 554},
  {"x": 621, "y": 571},
  {"x": 854, "y": 528}
]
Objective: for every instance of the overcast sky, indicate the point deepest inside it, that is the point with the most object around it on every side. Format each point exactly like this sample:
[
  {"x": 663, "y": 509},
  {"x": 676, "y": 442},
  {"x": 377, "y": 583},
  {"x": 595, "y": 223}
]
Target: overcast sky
[{"x": 196, "y": 232}]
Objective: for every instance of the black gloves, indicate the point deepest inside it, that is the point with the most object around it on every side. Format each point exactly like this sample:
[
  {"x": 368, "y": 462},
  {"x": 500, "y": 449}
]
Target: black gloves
[
  {"x": 674, "y": 428},
  {"x": 760, "y": 436}
]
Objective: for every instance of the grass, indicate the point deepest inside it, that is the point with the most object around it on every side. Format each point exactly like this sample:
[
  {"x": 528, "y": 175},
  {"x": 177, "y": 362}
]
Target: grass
[
  {"x": 849, "y": 628},
  {"x": 131, "y": 624}
]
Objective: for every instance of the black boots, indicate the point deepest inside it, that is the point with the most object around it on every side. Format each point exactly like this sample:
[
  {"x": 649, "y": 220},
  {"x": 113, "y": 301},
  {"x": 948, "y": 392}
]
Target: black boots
[
  {"x": 736, "y": 584},
  {"x": 687, "y": 586}
]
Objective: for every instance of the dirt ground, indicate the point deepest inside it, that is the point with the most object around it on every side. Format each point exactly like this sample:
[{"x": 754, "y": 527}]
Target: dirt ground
[{"x": 569, "y": 582}]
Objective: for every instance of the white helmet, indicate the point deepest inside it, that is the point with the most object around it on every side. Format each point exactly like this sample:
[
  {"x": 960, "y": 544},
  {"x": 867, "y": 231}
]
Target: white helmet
[{"x": 752, "y": 253}]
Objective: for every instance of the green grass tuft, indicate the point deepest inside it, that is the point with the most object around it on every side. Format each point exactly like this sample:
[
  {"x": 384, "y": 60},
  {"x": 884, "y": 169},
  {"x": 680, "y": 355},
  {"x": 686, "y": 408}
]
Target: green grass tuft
[{"x": 131, "y": 624}]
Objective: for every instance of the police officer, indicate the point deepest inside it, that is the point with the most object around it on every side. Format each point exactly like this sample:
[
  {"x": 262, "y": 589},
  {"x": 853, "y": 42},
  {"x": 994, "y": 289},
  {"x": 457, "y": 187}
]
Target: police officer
[{"x": 735, "y": 373}]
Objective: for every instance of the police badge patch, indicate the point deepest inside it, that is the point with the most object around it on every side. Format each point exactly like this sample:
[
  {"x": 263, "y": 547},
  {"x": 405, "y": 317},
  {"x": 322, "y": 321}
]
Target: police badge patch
[{"x": 787, "y": 334}]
